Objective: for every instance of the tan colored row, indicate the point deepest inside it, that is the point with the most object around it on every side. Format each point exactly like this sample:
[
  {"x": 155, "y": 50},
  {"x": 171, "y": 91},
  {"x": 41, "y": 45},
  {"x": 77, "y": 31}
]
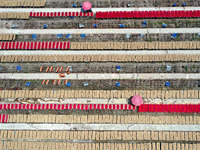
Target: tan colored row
[
  {"x": 99, "y": 135},
  {"x": 135, "y": 45},
  {"x": 24, "y": 3},
  {"x": 14, "y": 15},
  {"x": 7, "y": 37},
  {"x": 27, "y": 145},
  {"x": 103, "y": 119},
  {"x": 96, "y": 94},
  {"x": 101, "y": 58},
  {"x": 179, "y": 146}
]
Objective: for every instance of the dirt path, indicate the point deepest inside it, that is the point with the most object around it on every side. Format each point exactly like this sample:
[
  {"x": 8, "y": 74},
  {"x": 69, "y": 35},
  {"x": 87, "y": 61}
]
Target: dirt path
[
  {"x": 103, "y": 67},
  {"x": 110, "y": 37},
  {"x": 120, "y": 3},
  {"x": 63, "y": 23},
  {"x": 102, "y": 84}
]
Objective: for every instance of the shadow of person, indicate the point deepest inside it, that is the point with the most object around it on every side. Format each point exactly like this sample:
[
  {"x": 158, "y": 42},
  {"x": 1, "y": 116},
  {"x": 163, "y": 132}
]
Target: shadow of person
[
  {"x": 85, "y": 11},
  {"x": 129, "y": 100},
  {"x": 130, "y": 103}
]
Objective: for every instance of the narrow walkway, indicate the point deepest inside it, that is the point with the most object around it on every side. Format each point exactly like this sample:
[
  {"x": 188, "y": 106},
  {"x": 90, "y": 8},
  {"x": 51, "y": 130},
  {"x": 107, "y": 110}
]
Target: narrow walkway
[
  {"x": 98, "y": 101},
  {"x": 102, "y": 127},
  {"x": 97, "y": 52},
  {"x": 101, "y": 31},
  {"x": 100, "y": 76},
  {"x": 96, "y": 9}
]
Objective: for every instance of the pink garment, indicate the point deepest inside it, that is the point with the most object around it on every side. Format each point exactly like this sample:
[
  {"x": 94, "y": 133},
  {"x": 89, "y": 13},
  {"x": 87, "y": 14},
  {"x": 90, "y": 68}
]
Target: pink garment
[
  {"x": 87, "y": 5},
  {"x": 136, "y": 100}
]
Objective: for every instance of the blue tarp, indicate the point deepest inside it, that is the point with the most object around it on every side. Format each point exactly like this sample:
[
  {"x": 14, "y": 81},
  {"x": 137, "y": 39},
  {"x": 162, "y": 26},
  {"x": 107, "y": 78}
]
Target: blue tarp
[
  {"x": 95, "y": 25},
  {"x": 59, "y": 35},
  {"x": 118, "y": 67},
  {"x": 174, "y": 5},
  {"x": 167, "y": 84},
  {"x": 45, "y": 26},
  {"x": 174, "y": 35},
  {"x": 141, "y": 35},
  {"x": 117, "y": 84},
  {"x": 68, "y": 84},
  {"x": 68, "y": 35},
  {"x": 28, "y": 83},
  {"x": 168, "y": 68},
  {"x": 164, "y": 25},
  {"x": 85, "y": 84},
  {"x": 19, "y": 68},
  {"x": 74, "y": 5},
  {"x": 83, "y": 35},
  {"x": 144, "y": 22},
  {"x": 34, "y": 36},
  {"x": 122, "y": 26},
  {"x": 184, "y": 4}
]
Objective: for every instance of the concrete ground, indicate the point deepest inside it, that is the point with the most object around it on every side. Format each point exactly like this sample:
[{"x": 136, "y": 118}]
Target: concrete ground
[
  {"x": 96, "y": 52},
  {"x": 101, "y": 31},
  {"x": 102, "y": 76},
  {"x": 97, "y": 127},
  {"x": 98, "y": 101}
]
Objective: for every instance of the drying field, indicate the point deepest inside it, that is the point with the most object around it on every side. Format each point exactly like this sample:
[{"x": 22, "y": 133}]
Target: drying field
[{"x": 67, "y": 78}]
